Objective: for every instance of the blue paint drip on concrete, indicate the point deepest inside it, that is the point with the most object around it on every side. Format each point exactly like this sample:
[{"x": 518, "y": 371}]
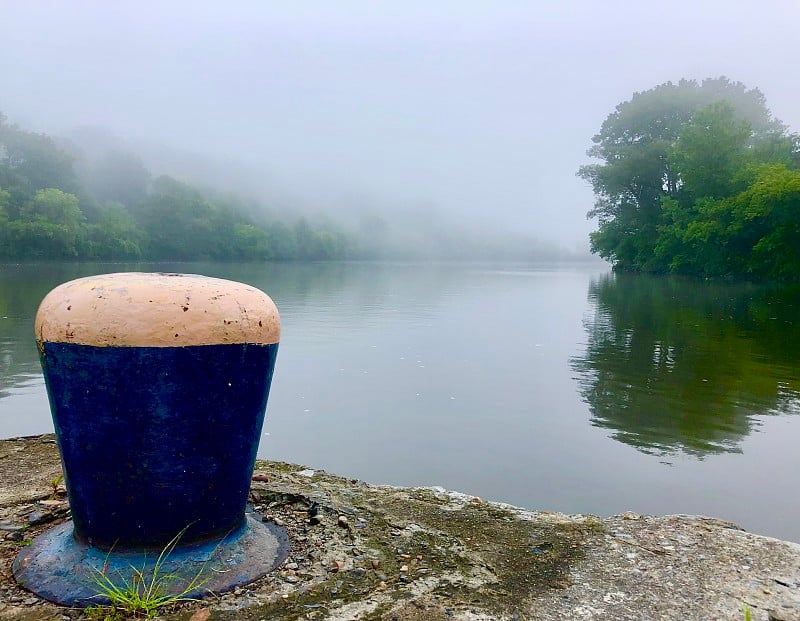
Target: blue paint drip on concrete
[{"x": 155, "y": 439}]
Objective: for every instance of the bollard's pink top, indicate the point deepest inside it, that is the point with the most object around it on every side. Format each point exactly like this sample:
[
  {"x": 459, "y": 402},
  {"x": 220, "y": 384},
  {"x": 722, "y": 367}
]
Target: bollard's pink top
[{"x": 156, "y": 310}]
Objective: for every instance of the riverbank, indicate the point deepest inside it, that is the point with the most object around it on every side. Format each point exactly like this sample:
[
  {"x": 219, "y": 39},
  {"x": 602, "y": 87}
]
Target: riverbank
[{"x": 361, "y": 551}]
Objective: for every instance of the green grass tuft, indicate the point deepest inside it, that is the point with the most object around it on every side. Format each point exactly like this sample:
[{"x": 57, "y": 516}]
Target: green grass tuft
[{"x": 143, "y": 595}]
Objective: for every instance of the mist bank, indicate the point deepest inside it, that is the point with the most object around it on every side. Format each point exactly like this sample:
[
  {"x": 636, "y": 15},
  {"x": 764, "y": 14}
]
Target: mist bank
[{"x": 89, "y": 195}]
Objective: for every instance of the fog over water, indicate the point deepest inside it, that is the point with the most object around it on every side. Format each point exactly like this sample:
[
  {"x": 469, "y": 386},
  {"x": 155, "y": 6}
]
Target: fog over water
[{"x": 481, "y": 111}]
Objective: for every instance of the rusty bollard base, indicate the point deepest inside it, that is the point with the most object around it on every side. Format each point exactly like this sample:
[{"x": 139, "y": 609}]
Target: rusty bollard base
[{"x": 61, "y": 569}]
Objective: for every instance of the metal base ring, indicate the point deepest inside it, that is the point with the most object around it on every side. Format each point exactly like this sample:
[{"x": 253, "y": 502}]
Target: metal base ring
[{"x": 59, "y": 568}]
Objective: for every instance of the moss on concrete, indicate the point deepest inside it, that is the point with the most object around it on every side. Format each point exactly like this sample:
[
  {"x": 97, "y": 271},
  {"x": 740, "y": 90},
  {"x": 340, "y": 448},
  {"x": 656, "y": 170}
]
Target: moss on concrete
[{"x": 419, "y": 554}]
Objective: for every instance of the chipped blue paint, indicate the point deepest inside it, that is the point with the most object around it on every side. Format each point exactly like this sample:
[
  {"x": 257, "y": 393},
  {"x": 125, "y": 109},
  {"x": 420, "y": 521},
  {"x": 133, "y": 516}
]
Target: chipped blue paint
[{"x": 155, "y": 439}]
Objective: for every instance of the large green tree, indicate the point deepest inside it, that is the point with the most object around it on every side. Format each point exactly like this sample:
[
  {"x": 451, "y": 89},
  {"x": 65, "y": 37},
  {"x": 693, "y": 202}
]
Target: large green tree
[
  {"x": 667, "y": 158},
  {"x": 50, "y": 226},
  {"x": 115, "y": 234}
]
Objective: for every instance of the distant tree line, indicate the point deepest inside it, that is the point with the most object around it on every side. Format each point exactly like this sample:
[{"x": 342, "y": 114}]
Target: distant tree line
[
  {"x": 697, "y": 178},
  {"x": 113, "y": 209}
]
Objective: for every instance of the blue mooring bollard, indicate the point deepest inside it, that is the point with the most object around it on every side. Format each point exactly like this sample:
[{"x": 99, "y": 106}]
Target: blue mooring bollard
[{"x": 158, "y": 385}]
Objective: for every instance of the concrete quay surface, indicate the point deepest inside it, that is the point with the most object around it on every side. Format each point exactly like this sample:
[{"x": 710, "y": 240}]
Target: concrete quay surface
[{"x": 361, "y": 551}]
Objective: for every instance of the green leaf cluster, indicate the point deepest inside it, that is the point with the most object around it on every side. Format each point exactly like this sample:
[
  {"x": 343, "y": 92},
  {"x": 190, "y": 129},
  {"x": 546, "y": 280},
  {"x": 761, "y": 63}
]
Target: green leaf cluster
[
  {"x": 54, "y": 206},
  {"x": 697, "y": 178}
]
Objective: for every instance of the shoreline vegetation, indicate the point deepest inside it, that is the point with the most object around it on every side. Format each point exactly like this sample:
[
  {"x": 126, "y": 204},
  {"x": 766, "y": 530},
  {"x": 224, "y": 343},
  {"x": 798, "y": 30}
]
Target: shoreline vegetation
[
  {"x": 61, "y": 200},
  {"x": 697, "y": 179}
]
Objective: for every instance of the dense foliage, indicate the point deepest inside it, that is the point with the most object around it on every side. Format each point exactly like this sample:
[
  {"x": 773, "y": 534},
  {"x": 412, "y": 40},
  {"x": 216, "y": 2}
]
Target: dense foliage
[
  {"x": 113, "y": 210},
  {"x": 697, "y": 178}
]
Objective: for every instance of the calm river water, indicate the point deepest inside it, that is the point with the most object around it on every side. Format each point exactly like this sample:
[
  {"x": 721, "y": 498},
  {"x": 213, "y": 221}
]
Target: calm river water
[{"x": 561, "y": 388}]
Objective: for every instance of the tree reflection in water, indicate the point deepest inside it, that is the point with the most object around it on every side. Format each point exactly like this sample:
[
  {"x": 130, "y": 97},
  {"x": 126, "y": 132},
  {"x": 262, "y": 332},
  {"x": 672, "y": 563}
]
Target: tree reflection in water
[{"x": 674, "y": 365}]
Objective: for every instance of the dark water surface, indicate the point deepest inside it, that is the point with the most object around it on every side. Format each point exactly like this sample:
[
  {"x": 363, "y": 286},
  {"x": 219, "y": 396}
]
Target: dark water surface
[{"x": 552, "y": 387}]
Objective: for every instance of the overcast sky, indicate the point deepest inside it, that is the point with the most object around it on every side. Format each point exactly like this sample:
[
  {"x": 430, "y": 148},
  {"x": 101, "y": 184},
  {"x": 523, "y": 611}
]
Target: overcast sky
[{"x": 482, "y": 109}]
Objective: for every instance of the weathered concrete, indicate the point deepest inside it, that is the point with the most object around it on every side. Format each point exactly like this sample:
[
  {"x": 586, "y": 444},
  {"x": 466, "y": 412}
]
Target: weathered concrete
[{"x": 376, "y": 552}]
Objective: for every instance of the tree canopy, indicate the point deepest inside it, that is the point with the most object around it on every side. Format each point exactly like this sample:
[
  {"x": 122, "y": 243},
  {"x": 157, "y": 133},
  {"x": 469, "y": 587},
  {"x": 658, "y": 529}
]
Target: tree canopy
[
  {"x": 89, "y": 198},
  {"x": 55, "y": 206},
  {"x": 697, "y": 178}
]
